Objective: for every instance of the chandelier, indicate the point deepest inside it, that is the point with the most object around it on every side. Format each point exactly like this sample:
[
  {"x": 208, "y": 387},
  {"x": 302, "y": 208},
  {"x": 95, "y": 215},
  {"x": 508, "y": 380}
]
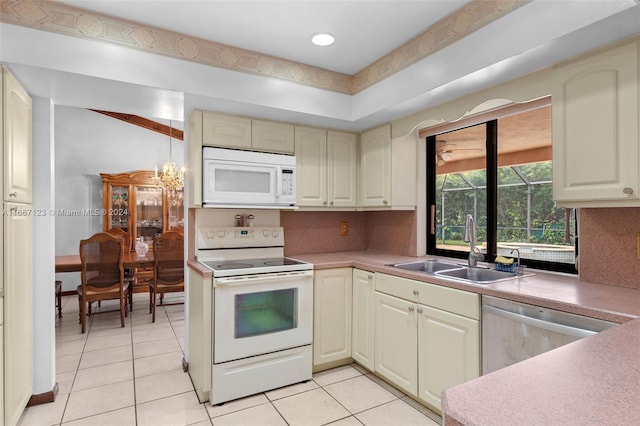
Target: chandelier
[{"x": 171, "y": 177}]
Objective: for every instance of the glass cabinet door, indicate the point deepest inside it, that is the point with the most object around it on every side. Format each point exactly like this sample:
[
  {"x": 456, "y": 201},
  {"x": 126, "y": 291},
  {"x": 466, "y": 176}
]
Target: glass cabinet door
[
  {"x": 119, "y": 209},
  {"x": 148, "y": 213},
  {"x": 175, "y": 208}
]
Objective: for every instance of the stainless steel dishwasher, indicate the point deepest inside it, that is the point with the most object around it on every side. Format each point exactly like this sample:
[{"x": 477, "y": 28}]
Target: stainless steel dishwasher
[{"x": 513, "y": 332}]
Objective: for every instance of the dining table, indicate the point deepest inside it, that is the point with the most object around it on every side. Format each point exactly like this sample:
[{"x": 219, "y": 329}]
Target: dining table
[{"x": 71, "y": 262}]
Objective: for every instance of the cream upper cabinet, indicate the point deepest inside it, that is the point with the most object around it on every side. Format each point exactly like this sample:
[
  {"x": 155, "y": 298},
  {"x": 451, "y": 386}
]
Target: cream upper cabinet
[
  {"x": 272, "y": 136},
  {"x": 596, "y": 145},
  {"x": 332, "y": 300},
  {"x": 362, "y": 337},
  {"x": 374, "y": 185},
  {"x": 311, "y": 166},
  {"x": 231, "y": 131},
  {"x": 17, "y": 134},
  {"x": 386, "y": 170},
  {"x": 326, "y": 168},
  {"x": 226, "y": 130},
  {"x": 341, "y": 169}
]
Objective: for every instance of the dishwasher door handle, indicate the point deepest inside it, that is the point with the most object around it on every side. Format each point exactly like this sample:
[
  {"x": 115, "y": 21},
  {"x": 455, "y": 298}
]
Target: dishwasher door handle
[{"x": 545, "y": 325}]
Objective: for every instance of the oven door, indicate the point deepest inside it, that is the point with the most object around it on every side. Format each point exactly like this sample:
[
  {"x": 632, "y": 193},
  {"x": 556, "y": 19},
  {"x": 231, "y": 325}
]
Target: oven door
[{"x": 259, "y": 314}]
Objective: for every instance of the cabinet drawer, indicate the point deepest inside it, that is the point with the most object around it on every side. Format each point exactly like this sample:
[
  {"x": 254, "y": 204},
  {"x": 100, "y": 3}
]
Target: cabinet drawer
[{"x": 447, "y": 299}]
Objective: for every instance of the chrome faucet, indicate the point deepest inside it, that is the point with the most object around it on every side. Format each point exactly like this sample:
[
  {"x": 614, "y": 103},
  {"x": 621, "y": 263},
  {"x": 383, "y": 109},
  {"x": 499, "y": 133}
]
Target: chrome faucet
[
  {"x": 470, "y": 237},
  {"x": 519, "y": 265}
]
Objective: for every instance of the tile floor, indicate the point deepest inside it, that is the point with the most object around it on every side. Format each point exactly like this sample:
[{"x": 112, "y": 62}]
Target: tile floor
[{"x": 133, "y": 376}]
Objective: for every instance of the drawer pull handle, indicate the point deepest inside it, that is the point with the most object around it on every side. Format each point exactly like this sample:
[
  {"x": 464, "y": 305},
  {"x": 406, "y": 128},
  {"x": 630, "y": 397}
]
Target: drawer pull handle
[{"x": 628, "y": 191}]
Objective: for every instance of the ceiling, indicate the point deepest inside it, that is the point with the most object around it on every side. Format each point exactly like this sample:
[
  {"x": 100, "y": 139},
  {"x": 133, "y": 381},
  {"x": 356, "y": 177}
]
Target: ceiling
[
  {"x": 364, "y": 30},
  {"x": 80, "y": 71}
]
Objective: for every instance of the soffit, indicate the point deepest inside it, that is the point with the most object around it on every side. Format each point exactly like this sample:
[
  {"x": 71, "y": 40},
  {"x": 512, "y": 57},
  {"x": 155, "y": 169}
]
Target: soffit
[{"x": 270, "y": 38}]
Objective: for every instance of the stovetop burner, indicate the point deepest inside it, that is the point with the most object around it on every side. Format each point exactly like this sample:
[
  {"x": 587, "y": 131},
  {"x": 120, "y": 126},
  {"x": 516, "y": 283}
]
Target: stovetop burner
[
  {"x": 233, "y": 266},
  {"x": 255, "y": 266}
]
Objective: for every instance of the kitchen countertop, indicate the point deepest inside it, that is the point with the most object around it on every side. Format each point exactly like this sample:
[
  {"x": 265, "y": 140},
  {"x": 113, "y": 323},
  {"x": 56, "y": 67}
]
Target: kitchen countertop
[
  {"x": 593, "y": 381},
  {"x": 564, "y": 292}
]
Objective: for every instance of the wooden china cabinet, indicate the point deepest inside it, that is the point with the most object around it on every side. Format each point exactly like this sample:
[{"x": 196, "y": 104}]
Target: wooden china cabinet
[{"x": 136, "y": 203}]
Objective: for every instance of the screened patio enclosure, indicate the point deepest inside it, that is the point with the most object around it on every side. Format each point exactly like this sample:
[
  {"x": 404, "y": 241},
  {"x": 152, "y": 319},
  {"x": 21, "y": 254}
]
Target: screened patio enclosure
[{"x": 527, "y": 216}]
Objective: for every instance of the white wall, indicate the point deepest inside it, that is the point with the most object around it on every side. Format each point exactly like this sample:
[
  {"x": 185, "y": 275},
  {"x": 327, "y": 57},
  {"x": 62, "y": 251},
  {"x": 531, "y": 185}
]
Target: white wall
[
  {"x": 44, "y": 369},
  {"x": 87, "y": 144}
]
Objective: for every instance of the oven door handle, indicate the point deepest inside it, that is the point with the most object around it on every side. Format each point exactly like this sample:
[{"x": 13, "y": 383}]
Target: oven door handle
[{"x": 251, "y": 279}]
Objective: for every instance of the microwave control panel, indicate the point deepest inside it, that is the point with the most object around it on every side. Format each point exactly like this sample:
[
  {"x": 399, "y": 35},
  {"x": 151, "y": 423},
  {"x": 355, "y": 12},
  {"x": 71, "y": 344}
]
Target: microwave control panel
[{"x": 287, "y": 182}]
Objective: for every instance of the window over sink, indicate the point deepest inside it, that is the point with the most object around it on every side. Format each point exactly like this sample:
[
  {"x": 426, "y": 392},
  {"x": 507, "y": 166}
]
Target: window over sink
[{"x": 500, "y": 172}]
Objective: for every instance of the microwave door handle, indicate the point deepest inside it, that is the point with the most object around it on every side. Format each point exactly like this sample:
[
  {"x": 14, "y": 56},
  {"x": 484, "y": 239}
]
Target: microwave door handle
[{"x": 278, "y": 182}]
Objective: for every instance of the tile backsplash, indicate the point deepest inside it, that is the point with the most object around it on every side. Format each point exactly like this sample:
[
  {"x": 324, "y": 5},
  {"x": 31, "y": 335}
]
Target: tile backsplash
[
  {"x": 608, "y": 246},
  {"x": 319, "y": 232},
  {"x": 608, "y": 238}
]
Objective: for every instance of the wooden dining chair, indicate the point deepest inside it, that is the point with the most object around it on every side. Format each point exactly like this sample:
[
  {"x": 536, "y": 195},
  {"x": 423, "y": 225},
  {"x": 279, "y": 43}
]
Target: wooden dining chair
[
  {"x": 102, "y": 274},
  {"x": 168, "y": 267},
  {"x": 129, "y": 273}
]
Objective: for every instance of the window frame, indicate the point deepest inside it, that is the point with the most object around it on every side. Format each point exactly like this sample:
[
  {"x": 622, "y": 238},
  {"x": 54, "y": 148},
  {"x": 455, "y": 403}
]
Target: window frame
[{"x": 491, "y": 147}]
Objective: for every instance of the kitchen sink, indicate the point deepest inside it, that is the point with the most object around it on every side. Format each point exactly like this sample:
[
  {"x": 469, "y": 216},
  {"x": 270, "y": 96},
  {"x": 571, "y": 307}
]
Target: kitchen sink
[
  {"x": 429, "y": 265},
  {"x": 458, "y": 272},
  {"x": 477, "y": 275}
]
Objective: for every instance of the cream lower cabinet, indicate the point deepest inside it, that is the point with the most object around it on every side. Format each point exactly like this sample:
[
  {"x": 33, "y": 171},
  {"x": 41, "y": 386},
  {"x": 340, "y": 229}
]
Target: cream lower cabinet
[
  {"x": 396, "y": 341},
  {"x": 200, "y": 333},
  {"x": 332, "y": 300},
  {"x": 427, "y": 337},
  {"x": 596, "y": 145},
  {"x": 362, "y": 339},
  {"x": 448, "y": 352}
]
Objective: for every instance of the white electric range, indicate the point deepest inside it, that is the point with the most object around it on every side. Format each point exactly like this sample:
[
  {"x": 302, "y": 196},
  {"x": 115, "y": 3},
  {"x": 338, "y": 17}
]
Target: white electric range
[{"x": 262, "y": 311}]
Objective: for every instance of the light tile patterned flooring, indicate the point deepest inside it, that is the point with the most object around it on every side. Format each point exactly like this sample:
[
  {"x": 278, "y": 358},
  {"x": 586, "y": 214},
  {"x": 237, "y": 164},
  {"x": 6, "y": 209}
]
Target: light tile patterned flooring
[{"x": 133, "y": 376}]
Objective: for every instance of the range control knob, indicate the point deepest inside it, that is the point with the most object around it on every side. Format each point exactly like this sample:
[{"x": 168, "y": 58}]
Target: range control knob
[
  {"x": 275, "y": 233},
  {"x": 266, "y": 232},
  {"x": 211, "y": 235}
]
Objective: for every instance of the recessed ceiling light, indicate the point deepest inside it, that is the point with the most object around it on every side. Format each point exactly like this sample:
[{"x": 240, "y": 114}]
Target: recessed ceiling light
[{"x": 322, "y": 39}]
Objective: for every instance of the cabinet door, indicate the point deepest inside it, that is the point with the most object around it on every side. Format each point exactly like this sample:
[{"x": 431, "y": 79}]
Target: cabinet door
[
  {"x": 17, "y": 118},
  {"x": 117, "y": 207},
  {"x": 363, "y": 318},
  {"x": 595, "y": 128},
  {"x": 396, "y": 342},
  {"x": 199, "y": 300},
  {"x": 18, "y": 330},
  {"x": 311, "y": 167},
  {"x": 332, "y": 300},
  {"x": 149, "y": 213},
  {"x": 448, "y": 352},
  {"x": 375, "y": 167},
  {"x": 272, "y": 136},
  {"x": 341, "y": 169},
  {"x": 226, "y": 130}
]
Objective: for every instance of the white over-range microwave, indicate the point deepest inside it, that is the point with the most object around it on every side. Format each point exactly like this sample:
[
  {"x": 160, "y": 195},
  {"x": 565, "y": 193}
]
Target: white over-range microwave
[{"x": 235, "y": 178}]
